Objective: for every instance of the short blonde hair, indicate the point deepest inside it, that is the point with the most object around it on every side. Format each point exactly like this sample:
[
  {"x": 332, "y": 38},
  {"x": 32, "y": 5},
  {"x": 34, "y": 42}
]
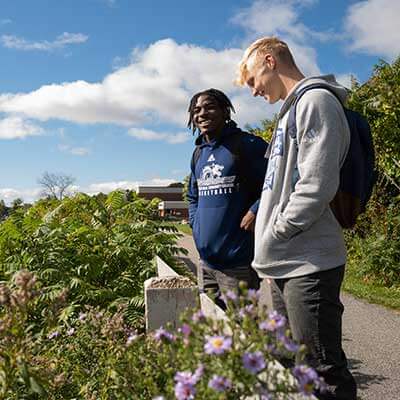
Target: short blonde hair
[{"x": 261, "y": 47}]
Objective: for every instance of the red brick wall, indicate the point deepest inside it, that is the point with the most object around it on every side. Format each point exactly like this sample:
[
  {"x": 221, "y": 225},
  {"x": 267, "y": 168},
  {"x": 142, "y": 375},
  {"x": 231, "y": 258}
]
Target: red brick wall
[{"x": 162, "y": 196}]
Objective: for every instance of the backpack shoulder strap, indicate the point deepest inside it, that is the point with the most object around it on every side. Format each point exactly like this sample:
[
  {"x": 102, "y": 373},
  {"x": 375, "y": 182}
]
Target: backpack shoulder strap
[
  {"x": 195, "y": 158},
  {"x": 245, "y": 179},
  {"x": 291, "y": 125},
  {"x": 237, "y": 145}
]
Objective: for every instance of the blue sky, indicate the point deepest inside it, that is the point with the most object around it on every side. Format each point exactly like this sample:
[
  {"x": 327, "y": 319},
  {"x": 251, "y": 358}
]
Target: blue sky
[{"x": 98, "y": 89}]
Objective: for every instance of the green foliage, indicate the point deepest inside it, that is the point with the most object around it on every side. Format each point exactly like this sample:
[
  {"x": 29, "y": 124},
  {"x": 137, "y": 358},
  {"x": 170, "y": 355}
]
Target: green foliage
[
  {"x": 99, "y": 249},
  {"x": 266, "y": 130},
  {"x": 98, "y": 356},
  {"x": 185, "y": 190},
  {"x": 374, "y": 246},
  {"x": 379, "y": 100},
  {"x": 374, "y": 254}
]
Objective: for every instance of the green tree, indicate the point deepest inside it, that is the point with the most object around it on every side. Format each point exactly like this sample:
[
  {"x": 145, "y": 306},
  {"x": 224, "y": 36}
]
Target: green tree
[{"x": 379, "y": 100}]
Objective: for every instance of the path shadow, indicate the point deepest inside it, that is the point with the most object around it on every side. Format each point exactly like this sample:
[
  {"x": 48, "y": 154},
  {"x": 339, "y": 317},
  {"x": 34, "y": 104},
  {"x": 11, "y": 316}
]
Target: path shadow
[
  {"x": 189, "y": 263},
  {"x": 364, "y": 380}
]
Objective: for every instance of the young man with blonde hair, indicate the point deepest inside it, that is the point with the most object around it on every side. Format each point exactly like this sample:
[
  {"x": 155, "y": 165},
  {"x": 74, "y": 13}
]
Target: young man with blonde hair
[{"x": 299, "y": 243}]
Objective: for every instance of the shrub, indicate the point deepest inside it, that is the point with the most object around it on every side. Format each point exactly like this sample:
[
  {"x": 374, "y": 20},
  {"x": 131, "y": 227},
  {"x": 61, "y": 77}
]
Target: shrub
[
  {"x": 96, "y": 355},
  {"x": 374, "y": 252},
  {"x": 97, "y": 250}
]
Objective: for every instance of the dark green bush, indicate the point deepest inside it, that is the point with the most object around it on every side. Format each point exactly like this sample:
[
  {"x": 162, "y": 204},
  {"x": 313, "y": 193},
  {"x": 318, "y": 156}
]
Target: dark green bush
[{"x": 97, "y": 250}]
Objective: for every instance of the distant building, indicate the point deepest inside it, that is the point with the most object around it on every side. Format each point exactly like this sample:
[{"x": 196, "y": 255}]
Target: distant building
[
  {"x": 166, "y": 193},
  {"x": 174, "y": 208},
  {"x": 172, "y": 203}
]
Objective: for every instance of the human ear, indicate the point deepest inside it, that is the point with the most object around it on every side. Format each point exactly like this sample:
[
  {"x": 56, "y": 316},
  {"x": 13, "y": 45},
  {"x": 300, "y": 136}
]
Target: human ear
[{"x": 270, "y": 61}]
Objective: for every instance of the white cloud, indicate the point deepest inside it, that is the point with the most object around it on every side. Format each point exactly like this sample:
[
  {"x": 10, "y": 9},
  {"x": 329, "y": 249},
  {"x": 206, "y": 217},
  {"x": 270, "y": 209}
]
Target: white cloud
[
  {"x": 106, "y": 187},
  {"x": 76, "y": 151},
  {"x": 66, "y": 38},
  {"x": 373, "y": 27},
  {"x": 274, "y": 18},
  {"x": 346, "y": 79},
  {"x": 28, "y": 195},
  {"x": 31, "y": 195},
  {"x": 156, "y": 87},
  {"x": 17, "y": 128},
  {"x": 252, "y": 109},
  {"x": 149, "y": 135},
  {"x": 5, "y": 21}
]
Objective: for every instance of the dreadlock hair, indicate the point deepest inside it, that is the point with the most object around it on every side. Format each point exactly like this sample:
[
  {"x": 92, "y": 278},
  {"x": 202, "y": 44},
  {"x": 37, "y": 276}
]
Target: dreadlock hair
[{"x": 220, "y": 97}]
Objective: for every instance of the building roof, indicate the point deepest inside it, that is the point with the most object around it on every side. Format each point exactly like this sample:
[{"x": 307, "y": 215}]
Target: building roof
[
  {"x": 168, "y": 205},
  {"x": 158, "y": 189}
]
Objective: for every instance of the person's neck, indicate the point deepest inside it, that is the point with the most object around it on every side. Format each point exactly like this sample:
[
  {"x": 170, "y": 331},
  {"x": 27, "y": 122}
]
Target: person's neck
[
  {"x": 215, "y": 135},
  {"x": 289, "y": 80},
  {"x": 211, "y": 136}
]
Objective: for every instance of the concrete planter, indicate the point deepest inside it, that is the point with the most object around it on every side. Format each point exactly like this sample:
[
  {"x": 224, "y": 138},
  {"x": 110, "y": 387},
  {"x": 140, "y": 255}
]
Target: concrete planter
[{"x": 166, "y": 299}]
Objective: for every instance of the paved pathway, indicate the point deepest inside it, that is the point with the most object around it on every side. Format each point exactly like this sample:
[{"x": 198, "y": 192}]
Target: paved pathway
[{"x": 371, "y": 340}]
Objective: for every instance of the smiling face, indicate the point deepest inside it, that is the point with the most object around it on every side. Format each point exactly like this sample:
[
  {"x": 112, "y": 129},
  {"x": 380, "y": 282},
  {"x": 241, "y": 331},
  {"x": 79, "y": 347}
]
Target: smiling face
[
  {"x": 208, "y": 116},
  {"x": 263, "y": 79}
]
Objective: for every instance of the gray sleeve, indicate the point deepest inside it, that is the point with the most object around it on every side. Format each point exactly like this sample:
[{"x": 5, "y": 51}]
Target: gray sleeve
[{"x": 323, "y": 140}]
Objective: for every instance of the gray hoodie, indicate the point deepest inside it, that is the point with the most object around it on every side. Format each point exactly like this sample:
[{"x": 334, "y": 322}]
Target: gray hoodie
[{"x": 296, "y": 232}]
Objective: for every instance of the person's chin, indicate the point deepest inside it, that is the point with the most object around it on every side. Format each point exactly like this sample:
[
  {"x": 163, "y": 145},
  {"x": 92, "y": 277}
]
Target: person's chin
[
  {"x": 205, "y": 131},
  {"x": 270, "y": 100}
]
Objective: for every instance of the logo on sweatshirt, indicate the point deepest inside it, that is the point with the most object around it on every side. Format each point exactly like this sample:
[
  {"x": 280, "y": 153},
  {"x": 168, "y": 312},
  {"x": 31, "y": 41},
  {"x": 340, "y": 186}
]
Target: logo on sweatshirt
[
  {"x": 311, "y": 136},
  {"x": 212, "y": 171},
  {"x": 276, "y": 152},
  {"x": 212, "y": 182},
  {"x": 211, "y": 158}
]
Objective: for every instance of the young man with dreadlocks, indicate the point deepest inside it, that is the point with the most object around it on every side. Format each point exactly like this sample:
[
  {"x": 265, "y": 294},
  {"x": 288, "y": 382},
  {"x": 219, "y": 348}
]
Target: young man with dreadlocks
[{"x": 227, "y": 172}]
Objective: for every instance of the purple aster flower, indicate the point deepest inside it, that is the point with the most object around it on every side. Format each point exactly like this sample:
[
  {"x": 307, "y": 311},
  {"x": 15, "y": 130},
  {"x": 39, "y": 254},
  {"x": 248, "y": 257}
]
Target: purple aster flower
[
  {"x": 70, "y": 331},
  {"x": 198, "y": 316},
  {"x": 247, "y": 310},
  {"x": 217, "y": 344},
  {"x": 274, "y": 322},
  {"x": 253, "y": 362},
  {"x": 82, "y": 316},
  {"x": 270, "y": 348},
  {"x": 162, "y": 333},
  {"x": 186, "y": 378},
  {"x": 307, "y": 379},
  {"x": 219, "y": 383},
  {"x": 242, "y": 313},
  {"x": 131, "y": 338},
  {"x": 231, "y": 295},
  {"x": 199, "y": 372},
  {"x": 184, "y": 391},
  {"x": 289, "y": 344},
  {"x": 186, "y": 330},
  {"x": 185, "y": 383},
  {"x": 53, "y": 335},
  {"x": 253, "y": 295}
]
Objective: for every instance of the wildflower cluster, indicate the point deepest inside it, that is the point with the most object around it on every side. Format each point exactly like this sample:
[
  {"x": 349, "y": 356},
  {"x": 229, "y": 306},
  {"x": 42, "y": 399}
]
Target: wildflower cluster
[
  {"x": 236, "y": 358},
  {"x": 94, "y": 353}
]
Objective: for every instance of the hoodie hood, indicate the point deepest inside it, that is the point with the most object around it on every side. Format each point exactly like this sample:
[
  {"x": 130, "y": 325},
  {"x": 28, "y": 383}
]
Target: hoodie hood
[
  {"x": 228, "y": 129},
  {"x": 328, "y": 80}
]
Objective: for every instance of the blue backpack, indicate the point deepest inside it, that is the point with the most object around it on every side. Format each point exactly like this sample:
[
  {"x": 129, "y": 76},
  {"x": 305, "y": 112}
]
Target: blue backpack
[{"x": 358, "y": 174}]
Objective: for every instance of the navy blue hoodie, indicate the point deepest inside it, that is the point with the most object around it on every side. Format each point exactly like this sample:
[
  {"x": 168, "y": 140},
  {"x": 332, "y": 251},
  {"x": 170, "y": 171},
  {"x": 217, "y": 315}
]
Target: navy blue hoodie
[{"x": 217, "y": 203}]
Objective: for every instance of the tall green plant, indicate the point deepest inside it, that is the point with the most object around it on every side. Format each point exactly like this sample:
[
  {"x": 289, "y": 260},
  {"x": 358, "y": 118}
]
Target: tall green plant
[
  {"x": 99, "y": 249},
  {"x": 379, "y": 100}
]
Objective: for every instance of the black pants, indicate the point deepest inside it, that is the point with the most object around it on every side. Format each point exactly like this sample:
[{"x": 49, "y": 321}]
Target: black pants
[
  {"x": 314, "y": 311},
  {"x": 217, "y": 281}
]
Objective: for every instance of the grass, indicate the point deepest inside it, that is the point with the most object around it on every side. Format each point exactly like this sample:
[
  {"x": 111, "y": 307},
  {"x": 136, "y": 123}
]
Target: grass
[
  {"x": 184, "y": 228},
  {"x": 369, "y": 290},
  {"x": 353, "y": 284}
]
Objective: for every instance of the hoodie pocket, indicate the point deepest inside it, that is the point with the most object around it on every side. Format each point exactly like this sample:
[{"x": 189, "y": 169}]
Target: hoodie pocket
[{"x": 278, "y": 208}]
